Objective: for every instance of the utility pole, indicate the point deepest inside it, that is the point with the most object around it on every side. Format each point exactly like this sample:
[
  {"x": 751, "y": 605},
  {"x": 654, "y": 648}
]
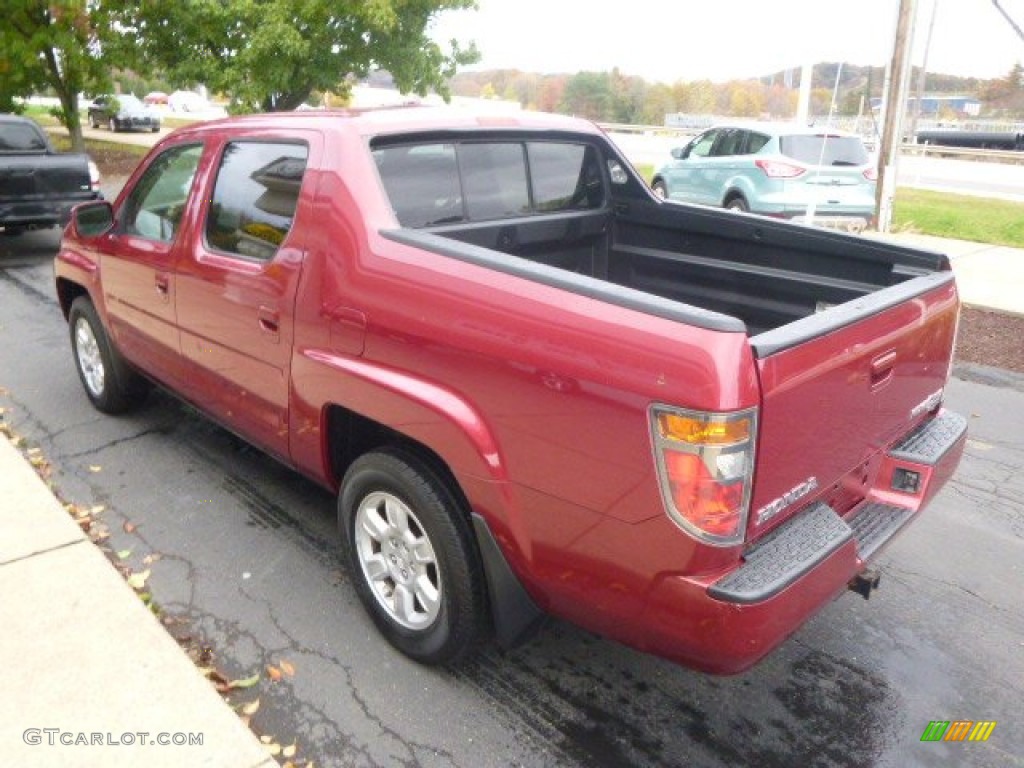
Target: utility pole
[
  {"x": 892, "y": 117},
  {"x": 924, "y": 71},
  {"x": 803, "y": 104}
]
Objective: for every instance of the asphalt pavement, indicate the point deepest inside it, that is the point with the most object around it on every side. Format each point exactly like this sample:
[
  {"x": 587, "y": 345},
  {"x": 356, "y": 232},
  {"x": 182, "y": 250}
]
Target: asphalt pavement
[{"x": 91, "y": 678}]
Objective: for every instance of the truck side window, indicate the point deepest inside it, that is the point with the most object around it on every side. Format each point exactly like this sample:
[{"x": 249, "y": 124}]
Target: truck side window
[
  {"x": 422, "y": 182},
  {"x": 16, "y": 137},
  {"x": 565, "y": 176},
  {"x": 153, "y": 209},
  {"x": 255, "y": 197},
  {"x": 494, "y": 180}
]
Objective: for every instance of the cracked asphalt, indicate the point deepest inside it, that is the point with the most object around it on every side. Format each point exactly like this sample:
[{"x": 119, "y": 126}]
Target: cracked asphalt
[{"x": 249, "y": 564}]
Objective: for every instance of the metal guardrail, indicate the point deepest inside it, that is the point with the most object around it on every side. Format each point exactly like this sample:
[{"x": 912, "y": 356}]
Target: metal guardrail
[{"x": 1008, "y": 156}]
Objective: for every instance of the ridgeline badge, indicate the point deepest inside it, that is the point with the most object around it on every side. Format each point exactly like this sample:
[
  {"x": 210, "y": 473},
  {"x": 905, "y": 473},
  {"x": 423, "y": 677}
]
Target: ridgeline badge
[{"x": 790, "y": 497}]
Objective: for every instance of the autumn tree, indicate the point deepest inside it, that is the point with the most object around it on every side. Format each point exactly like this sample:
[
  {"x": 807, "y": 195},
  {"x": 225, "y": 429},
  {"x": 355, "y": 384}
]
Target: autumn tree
[
  {"x": 56, "y": 45},
  {"x": 271, "y": 54}
]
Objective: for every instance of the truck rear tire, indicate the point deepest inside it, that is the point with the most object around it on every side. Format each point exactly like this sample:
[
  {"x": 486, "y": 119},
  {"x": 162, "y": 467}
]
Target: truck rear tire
[
  {"x": 409, "y": 548},
  {"x": 660, "y": 189},
  {"x": 111, "y": 385}
]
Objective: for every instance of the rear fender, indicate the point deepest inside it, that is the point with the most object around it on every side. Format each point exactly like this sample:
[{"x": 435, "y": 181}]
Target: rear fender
[{"x": 424, "y": 411}]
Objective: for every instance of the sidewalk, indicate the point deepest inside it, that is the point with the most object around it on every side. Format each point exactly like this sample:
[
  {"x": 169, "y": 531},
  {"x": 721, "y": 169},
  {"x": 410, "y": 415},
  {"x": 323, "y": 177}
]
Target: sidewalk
[
  {"x": 90, "y": 676},
  {"x": 987, "y": 276}
]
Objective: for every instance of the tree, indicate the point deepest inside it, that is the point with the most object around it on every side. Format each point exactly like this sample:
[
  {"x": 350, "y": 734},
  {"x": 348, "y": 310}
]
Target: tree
[
  {"x": 53, "y": 44},
  {"x": 271, "y": 54}
]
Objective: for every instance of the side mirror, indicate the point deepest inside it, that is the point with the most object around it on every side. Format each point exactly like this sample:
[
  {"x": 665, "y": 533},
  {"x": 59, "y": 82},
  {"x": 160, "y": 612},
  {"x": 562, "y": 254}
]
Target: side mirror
[
  {"x": 92, "y": 219},
  {"x": 679, "y": 153}
]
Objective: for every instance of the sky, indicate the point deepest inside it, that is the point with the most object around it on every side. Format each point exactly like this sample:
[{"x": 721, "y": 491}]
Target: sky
[{"x": 670, "y": 40}]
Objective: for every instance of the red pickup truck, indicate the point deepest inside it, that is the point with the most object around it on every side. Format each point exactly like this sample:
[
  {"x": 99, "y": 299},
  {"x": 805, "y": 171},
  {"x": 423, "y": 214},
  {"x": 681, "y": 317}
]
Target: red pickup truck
[{"x": 536, "y": 388}]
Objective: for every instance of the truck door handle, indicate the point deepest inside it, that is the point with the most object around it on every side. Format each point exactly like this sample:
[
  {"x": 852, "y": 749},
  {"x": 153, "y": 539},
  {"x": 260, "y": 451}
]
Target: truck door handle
[
  {"x": 270, "y": 322},
  {"x": 881, "y": 368},
  {"x": 162, "y": 282}
]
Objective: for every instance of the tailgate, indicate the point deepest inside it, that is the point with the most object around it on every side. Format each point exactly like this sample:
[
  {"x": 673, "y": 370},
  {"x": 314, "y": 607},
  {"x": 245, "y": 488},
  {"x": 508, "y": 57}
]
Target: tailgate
[
  {"x": 30, "y": 178},
  {"x": 840, "y": 387}
]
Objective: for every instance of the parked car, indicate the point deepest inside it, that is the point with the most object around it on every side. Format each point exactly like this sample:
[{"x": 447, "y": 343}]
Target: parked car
[
  {"x": 155, "y": 98},
  {"x": 38, "y": 185},
  {"x": 187, "y": 101},
  {"x": 784, "y": 170},
  {"x": 534, "y": 387},
  {"x": 123, "y": 113}
]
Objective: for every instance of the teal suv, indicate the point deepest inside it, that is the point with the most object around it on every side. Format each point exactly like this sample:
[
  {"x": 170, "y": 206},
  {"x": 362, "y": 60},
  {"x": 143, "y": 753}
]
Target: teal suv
[{"x": 785, "y": 170}]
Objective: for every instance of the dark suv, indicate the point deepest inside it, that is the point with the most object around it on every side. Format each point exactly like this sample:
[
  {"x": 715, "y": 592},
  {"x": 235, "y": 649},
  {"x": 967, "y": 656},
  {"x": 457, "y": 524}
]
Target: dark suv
[{"x": 123, "y": 113}]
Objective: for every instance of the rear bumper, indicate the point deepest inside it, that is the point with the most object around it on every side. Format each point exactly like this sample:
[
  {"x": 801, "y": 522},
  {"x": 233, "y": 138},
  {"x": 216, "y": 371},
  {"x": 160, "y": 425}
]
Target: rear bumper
[
  {"x": 728, "y": 623},
  {"x": 40, "y": 213}
]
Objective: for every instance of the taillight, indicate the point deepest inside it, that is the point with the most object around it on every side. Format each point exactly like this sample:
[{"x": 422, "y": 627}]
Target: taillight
[
  {"x": 705, "y": 466},
  {"x": 775, "y": 169},
  {"x": 871, "y": 174},
  {"x": 94, "y": 177}
]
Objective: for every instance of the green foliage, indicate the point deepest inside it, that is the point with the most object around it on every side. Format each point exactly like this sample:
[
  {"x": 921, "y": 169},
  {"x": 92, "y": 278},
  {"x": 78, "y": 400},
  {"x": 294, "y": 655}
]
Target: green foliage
[
  {"x": 272, "y": 54},
  {"x": 53, "y": 45}
]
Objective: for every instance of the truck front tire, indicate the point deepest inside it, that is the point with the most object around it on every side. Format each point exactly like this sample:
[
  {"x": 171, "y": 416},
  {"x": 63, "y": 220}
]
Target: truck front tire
[
  {"x": 111, "y": 385},
  {"x": 409, "y": 548}
]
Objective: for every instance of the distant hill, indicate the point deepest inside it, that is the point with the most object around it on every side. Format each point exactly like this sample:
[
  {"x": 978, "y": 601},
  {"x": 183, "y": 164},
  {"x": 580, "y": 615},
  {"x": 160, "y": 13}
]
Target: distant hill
[{"x": 615, "y": 96}]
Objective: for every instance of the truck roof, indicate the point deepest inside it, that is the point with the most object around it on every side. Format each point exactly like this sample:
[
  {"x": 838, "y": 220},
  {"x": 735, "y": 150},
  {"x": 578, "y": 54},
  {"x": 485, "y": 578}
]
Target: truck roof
[{"x": 407, "y": 119}]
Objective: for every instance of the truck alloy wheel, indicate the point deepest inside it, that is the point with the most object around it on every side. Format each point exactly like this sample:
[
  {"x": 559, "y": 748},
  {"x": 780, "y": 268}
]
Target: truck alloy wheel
[
  {"x": 110, "y": 384},
  {"x": 411, "y": 554}
]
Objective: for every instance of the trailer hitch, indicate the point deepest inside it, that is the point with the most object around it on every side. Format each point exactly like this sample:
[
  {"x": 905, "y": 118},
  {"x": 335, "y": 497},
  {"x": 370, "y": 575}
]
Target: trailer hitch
[{"x": 864, "y": 583}]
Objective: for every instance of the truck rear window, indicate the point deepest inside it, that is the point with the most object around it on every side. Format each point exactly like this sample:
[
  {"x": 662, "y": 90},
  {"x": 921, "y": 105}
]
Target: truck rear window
[
  {"x": 824, "y": 149},
  {"x": 20, "y": 138},
  {"x": 430, "y": 184}
]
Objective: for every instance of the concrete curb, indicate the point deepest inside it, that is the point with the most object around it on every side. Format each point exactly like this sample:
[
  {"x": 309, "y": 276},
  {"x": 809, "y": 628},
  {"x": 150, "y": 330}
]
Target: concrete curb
[{"x": 91, "y": 676}]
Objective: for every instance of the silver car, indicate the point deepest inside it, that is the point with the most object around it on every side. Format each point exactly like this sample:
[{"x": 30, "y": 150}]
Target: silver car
[{"x": 784, "y": 170}]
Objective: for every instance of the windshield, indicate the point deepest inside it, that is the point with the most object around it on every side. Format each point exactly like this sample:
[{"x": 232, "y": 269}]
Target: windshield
[
  {"x": 129, "y": 102},
  {"x": 825, "y": 149}
]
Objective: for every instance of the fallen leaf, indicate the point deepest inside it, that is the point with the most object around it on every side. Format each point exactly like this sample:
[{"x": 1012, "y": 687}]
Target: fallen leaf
[
  {"x": 150, "y": 559},
  {"x": 97, "y": 509},
  {"x": 273, "y": 672},
  {"x": 138, "y": 580},
  {"x": 287, "y": 668},
  {"x": 266, "y": 739},
  {"x": 289, "y": 751},
  {"x": 124, "y": 554},
  {"x": 34, "y": 451},
  {"x": 245, "y": 682},
  {"x": 274, "y": 749},
  {"x": 128, "y": 527},
  {"x": 94, "y": 468},
  {"x": 251, "y": 707}
]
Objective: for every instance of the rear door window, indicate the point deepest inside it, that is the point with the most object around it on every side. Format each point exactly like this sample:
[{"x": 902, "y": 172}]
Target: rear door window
[
  {"x": 729, "y": 143},
  {"x": 824, "y": 149},
  {"x": 16, "y": 137},
  {"x": 255, "y": 197}
]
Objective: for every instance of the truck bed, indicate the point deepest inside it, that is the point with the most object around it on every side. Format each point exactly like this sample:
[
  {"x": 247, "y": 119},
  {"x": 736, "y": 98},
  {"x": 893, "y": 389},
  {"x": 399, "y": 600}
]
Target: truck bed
[{"x": 757, "y": 271}]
